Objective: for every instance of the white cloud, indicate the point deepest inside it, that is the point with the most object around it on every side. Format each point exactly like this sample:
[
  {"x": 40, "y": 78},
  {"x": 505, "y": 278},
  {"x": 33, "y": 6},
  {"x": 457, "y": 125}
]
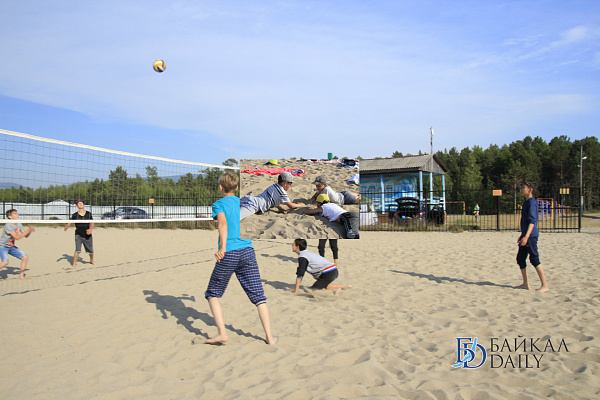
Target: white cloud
[{"x": 287, "y": 78}]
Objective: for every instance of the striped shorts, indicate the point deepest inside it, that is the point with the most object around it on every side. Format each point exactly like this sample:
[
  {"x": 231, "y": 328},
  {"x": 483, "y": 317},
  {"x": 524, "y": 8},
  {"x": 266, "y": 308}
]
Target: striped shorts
[{"x": 243, "y": 263}]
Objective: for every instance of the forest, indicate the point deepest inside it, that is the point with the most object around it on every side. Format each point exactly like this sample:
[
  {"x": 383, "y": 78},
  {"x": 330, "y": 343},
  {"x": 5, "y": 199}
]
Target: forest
[{"x": 550, "y": 164}]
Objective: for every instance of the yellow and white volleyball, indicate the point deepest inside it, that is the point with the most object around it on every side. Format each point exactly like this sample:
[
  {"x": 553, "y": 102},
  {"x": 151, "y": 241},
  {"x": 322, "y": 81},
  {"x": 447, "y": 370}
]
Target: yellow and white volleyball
[{"x": 159, "y": 65}]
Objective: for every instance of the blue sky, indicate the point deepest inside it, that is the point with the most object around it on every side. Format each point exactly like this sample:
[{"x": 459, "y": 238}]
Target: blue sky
[{"x": 275, "y": 79}]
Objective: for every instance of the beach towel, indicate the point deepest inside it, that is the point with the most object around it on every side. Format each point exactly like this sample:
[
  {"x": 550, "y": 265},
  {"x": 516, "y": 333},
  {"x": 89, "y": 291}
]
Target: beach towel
[{"x": 273, "y": 171}]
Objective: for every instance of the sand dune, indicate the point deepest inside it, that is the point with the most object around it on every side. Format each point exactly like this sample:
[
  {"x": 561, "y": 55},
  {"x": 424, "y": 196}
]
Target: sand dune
[
  {"x": 294, "y": 224},
  {"x": 123, "y": 329}
]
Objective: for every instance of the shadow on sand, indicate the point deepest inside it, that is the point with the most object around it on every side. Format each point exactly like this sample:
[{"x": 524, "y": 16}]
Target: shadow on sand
[
  {"x": 442, "y": 279},
  {"x": 173, "y": 306}
]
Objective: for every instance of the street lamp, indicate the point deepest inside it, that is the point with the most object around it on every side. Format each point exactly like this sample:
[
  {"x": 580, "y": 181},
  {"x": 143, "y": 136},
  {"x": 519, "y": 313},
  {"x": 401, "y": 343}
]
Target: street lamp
[{"x": 581, "y": 158}]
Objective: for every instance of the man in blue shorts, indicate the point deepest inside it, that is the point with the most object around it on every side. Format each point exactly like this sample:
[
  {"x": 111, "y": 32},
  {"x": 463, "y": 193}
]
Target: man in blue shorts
[
  {"x": 234, "y": 255},
  {"x": 11, "y": 233},
  {"x": 529, "y": 237}
]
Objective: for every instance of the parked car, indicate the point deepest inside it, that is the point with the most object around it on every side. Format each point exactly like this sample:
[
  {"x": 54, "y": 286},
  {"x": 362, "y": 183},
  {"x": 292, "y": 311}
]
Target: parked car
[
  {"x": 409, "y": 211},
  {"x": 126, "y": 213}
]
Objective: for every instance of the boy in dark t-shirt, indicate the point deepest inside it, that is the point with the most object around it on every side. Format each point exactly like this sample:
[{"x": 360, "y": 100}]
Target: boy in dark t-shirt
[
  {"x": 527, "y": 242},
  {"x": 83, "y": 232}
]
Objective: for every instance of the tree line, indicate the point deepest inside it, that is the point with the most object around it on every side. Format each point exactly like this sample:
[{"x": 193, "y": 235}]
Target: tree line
[
  {"x": 555, "y": 163},
  {"x": 200, "y": 189}
]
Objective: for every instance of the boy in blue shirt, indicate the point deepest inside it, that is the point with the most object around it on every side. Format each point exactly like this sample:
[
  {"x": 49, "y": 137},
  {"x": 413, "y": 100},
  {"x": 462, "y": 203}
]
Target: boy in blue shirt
[
  {"x": 234, "y": 255},
  {"x": 529, "y": 236}
]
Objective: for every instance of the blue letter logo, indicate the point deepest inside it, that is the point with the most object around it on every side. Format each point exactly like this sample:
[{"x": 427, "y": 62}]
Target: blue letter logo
[{"x": 466, "y": 351}]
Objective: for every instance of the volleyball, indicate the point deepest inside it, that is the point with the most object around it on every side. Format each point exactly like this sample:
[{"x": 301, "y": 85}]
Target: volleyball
[{"x": 159, "y": 65}]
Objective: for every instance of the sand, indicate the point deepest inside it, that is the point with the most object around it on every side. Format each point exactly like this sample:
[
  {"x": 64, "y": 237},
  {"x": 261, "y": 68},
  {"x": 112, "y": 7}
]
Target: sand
[
  {"x": 295, "y": 224},
  {"x": 123, "y": 329}
]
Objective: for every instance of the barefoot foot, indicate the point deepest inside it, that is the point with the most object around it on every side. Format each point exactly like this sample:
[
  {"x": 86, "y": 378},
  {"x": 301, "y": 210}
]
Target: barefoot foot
[
  {"x": 542, "y": 289},
  {"x": 272, "y": 342},
  {"x": 522, "y": 286},
  {"x": 219, "y": 339}
]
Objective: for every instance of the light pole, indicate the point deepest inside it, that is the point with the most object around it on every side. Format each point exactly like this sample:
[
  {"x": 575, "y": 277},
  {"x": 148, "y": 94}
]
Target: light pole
[
  {"x": 581, "y": 158},
  {"x": 431, "y": 139}
]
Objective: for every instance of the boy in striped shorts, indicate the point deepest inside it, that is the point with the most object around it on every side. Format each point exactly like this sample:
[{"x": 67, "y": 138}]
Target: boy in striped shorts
[
  {"x": 324, "y": 271},
  {"x": 234, "y": 255}
]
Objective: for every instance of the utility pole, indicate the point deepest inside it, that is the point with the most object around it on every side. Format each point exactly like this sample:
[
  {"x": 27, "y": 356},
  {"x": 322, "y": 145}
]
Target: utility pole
[
  {"x": 581, "y": 158},
  {"x": 431, "y": 141}
]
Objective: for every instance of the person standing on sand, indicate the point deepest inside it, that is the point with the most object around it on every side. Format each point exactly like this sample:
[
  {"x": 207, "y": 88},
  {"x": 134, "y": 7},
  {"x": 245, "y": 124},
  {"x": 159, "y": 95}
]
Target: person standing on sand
[
  {"x": 333, "y": 245},
  {"x": 83, "y": 232},
  {"x": 234, "y": 255},
  {"x": 11, "y": 233},
  {"x": 527, "y": 242}
]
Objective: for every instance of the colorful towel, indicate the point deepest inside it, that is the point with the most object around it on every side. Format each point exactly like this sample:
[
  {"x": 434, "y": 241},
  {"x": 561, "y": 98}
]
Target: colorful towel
[{"x": 273, "y": 171}]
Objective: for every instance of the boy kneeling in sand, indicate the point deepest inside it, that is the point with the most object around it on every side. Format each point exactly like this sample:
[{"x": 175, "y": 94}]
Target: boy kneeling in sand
[
  {"x": 324, "y": 271},
  {"x": 335, "y": 213},
  {"x": 234, "y": 255}
]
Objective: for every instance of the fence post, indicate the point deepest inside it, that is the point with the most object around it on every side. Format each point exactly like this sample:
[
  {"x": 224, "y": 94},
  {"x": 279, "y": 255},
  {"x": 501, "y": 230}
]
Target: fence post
[
  {"x": 497, "y": 213},
  {"x": 579, "y": 216}
]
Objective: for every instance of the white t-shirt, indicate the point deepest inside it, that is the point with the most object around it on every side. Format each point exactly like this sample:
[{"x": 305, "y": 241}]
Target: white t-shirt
[
  {"x": 332, "y": 211},
  {"x": 334, "y": 196}
]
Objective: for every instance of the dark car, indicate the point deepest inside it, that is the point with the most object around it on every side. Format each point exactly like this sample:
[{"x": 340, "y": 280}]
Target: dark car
[
  {"x": 409, "y": 210},
  {"x": 126, "y": 213}
]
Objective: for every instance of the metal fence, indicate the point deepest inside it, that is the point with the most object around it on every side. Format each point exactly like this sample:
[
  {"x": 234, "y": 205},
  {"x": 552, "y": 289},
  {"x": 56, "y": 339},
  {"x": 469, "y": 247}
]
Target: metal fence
[
  {"x": 133, "y": 208},
  {"x": 468, "y": 209}
]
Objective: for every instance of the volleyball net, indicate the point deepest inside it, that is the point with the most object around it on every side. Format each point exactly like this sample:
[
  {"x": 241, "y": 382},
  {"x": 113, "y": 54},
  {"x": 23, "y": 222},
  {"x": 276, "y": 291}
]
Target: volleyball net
[{"x": 44, "y": 178}]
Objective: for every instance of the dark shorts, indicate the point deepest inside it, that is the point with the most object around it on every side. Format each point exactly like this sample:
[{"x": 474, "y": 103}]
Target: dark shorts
[
  {"x": 530, "y": 250},
  {"x": 350, "y": 220},
  {"x": 88, "y": 244},
  {"x": 325, "y": 279},
  {"x": 349, "y": 198},
  {"x": 243, "y": 263}
]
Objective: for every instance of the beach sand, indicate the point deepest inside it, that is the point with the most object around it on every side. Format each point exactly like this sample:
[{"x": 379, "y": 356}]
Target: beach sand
[
  {"x": 123, "y": 329},
  {"x": 294, "y": 224}
]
